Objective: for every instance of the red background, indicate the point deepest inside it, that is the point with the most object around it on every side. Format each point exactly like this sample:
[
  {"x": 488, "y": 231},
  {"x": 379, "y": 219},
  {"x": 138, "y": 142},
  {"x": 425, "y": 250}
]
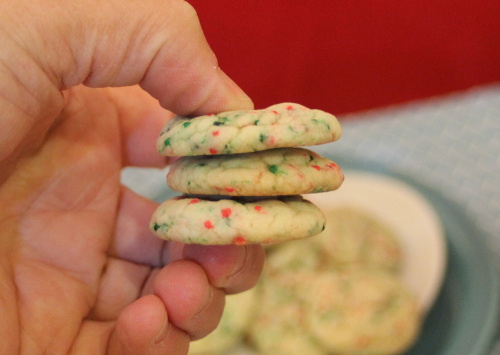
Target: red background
[{"x": 350, "y": 55}]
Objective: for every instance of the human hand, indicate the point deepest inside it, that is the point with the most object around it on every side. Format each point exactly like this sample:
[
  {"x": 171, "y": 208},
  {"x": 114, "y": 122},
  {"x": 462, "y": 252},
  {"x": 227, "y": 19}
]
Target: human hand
[{"x": 79, "y": 271}]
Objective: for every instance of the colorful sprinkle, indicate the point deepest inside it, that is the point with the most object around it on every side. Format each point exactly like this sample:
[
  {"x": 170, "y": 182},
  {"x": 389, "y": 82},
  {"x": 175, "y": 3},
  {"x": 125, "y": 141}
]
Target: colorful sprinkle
[
  {"x": 275, "y": 112},
  {"x": 239, "y": 240},
  {"x": 273, "y": 169},
  {"x": 216, "y": 133},
  {"x": 258, "y": 208},
  {"x": 226, "y": 212},
  {"x": 208, "y": 224},
  {"x": 186, "y": 124},
  {"x": 213, "y": 151},
  {"x": 193, "y": 201},
  {"x": 229, "y": 189},
  {"x": 316, "y": 167},
  {"x": 289, "y": 107}
]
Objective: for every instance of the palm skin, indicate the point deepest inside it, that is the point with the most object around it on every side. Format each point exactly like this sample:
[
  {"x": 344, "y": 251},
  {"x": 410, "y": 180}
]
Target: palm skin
[
  {"x": 80, "y": 272},
  {"x": 76, "y": 250}
]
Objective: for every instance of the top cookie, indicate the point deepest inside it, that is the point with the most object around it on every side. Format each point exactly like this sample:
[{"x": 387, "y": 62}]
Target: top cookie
[{"x": 282, "y": 125}]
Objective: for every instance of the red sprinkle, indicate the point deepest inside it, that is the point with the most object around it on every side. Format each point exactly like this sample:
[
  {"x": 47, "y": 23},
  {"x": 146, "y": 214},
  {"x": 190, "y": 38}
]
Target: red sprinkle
[
  {"x": 226, "y": 212},
  {"x": 258, "y": 208},
  {"x": 289, "y": 107},
  {"x": 216, "y": 133},
  {"x": 239, "y": 240},
  {"x": 333, "y": 165},
  {"x": 208, "y": 224},
  {"x": 194, "y": 200},
  {"x": 213, "y": 151},
  {"x": 229, "y": 189},
  {"x": 316, "y": 167},
  {"x": 275, "y": 112}
]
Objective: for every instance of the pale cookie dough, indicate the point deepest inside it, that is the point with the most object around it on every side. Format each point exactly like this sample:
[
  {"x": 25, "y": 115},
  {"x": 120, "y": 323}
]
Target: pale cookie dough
[
  {"x": 361, "y": 311},
  {"x": 194, "y": 220},
  {"x": 282, "y": 125},
  {"x": 238, "y": 312},
  {"x": 352, "y": 237},
  {"x": 282, "y": 171},
  {"x": 355, "y": 237},
  {"x": 280, "y": 327}
]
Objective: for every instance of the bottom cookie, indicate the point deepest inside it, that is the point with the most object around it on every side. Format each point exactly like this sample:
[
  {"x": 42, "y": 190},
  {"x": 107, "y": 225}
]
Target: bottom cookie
[{"x": 222, "y": 220}]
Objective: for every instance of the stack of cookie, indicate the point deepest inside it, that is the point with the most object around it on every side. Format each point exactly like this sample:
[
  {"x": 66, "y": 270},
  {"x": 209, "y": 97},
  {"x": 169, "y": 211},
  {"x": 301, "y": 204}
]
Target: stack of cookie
[{"x": 241, "y": 175}]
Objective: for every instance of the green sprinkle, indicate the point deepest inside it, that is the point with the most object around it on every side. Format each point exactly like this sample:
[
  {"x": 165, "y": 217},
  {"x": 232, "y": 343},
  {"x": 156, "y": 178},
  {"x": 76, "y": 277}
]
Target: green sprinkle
[
  {"x": 167, "y": 142},
  {"x": 156, "y": 227},
  {"x": 221, "y": 121},
  {"x": 256, "y": 122},
  {"x": 186, "y": 124},
  {"x": 274, "y": 169},
  {"x": 323, "y": 122},
  {"x": 262, "y": 138}
]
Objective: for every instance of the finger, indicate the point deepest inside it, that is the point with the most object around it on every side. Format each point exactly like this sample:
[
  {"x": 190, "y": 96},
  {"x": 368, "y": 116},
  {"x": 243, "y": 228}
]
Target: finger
[
  {"x": 133, "y": 241},
  {"x": 92, "y": 338},
  {"x": 141, "y": 120},
  {"x": 229, "y": 267},
  {"x": 120, "y": 285},
  {"x": 192, "y": 303},
  {"x": 157, "y": 43},
  {"x": 144, "y": 328}
]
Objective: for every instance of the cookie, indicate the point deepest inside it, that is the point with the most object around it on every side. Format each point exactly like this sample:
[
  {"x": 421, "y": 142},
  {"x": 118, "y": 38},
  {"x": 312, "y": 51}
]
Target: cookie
[
  {"x": 279, "y": 326},
  {"x": 352, "y": 237},
  {"x": 360, "y": 311},
  {"x": 355, "y": 237},
  {"x": 196, "y": 220},
  {"x": 282, "y": 171},
  {"x": 238, "y": 312},
  {"x": 282, "y": 125}
]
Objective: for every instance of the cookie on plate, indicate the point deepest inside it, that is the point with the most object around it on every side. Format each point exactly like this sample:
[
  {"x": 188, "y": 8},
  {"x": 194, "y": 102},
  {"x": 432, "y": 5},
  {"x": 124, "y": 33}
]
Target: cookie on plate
[
  {"x": 355, "y": 237},
  {"x": 360, "y": 311},
  {"x": 282, "y": 125},
  {"x": 190, "y": 219},
  {"x": 238, "y": 312},
  {"x": 279, "y": 326},
  {"x": 282, "y": 171}
]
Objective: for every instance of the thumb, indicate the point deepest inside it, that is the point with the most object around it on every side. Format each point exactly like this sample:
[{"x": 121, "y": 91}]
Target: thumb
[{"x": 158, "y": 44}]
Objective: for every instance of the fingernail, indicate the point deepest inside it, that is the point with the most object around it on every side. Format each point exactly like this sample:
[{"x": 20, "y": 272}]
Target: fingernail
[
  {"x": 163, "y": 334},
  {"x": 241, "y": 260}
]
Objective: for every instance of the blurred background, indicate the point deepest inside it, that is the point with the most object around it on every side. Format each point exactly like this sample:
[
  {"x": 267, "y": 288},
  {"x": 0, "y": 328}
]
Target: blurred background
[
  {"x": 345, "y": 56},
  {"x": 416, "y": 85}
]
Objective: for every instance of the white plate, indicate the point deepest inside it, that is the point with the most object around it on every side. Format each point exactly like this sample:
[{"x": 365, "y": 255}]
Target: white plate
[{"x": 412, "y": 218}]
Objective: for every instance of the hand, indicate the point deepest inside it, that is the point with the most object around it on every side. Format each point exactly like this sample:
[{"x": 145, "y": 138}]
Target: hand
[{"x": 79, "y": 270}]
